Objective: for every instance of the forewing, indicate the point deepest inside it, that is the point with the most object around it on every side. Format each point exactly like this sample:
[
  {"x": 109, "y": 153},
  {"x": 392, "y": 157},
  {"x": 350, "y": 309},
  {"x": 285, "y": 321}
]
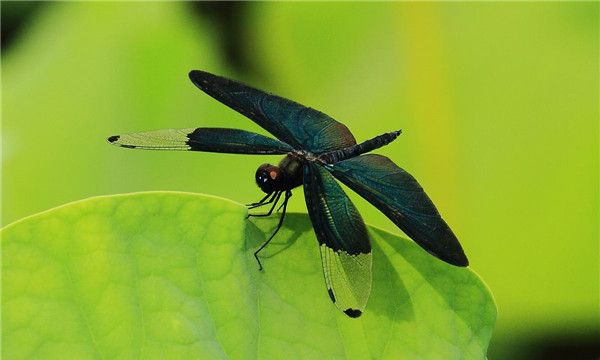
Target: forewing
[
  {"x": 343, "y": 240},
  {"x": 202, "y": 139},
  {"x": 301, "y": 127},
  {"x": 400, "y": 197}
]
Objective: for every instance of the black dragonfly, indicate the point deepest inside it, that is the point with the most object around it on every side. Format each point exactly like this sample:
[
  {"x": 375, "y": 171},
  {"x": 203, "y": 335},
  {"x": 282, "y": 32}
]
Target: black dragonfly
[{"x": 318, "y": 150}]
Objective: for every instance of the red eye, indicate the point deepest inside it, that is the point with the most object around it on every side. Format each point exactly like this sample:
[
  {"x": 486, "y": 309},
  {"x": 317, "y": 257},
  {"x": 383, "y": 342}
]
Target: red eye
[{"x": 273, "y": 174}]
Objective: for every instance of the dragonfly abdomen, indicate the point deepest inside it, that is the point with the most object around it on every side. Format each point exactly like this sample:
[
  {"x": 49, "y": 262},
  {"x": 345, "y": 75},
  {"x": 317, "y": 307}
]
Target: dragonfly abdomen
[{"x": 364, "y": 147}]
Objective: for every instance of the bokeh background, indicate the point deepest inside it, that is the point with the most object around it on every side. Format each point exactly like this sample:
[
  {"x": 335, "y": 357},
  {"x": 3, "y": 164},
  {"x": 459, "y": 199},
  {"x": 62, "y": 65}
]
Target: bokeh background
[{"x": 498, "y": 103}]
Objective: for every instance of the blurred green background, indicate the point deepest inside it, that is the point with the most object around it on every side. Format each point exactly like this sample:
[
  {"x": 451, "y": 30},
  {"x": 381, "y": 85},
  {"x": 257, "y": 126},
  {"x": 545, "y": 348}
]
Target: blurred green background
[{"x": 498, "y": 103}]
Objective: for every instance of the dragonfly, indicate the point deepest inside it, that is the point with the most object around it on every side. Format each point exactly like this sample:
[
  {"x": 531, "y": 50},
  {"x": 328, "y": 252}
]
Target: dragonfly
[{"x": 318, "y": 151}]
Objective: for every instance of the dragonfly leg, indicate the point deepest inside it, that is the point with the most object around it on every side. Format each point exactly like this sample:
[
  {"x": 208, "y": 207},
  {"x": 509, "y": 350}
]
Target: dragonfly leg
[
  {"x": 288, "y": 194},
  {"x": 277, "y": 196},
  {"x": 286, "y": 199},
  {"x": 263, "y": 203},
  {"x": 260, "y": 202}
]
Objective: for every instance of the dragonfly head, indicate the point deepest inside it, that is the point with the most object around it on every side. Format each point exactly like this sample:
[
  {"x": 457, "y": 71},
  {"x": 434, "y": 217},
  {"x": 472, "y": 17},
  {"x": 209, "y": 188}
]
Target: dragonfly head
[{"x": 268, "y": 178}]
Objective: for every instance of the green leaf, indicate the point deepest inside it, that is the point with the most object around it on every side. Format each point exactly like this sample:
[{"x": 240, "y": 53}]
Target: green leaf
[{"x": 171, "y": 275}]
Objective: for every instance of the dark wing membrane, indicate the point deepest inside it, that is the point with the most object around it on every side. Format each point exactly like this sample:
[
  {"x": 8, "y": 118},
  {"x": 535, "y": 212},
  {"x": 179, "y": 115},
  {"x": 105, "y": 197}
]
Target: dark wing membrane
[
  {"x": 343, "y": 240},
  {"x": 202, "y": 139},
  {"x": 400, "y": 197},
  {"x": 301, "y": 127}
]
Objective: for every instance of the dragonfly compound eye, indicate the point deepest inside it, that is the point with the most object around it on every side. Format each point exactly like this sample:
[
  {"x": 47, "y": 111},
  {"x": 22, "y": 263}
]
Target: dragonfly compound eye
[{"x": 268, "y": 177}]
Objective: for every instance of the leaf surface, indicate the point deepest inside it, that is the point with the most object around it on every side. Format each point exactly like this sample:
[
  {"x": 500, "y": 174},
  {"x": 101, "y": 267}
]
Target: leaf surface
[{"x": 171, "y": 275}]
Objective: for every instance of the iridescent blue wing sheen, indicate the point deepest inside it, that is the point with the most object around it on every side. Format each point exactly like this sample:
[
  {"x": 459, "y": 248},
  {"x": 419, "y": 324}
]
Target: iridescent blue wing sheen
[
  {"x": 300, "y": 126},
  {"x": 343, "y": 240},
  {"x": 400, "y": 197},
  {"x": 202, "y": 139}
]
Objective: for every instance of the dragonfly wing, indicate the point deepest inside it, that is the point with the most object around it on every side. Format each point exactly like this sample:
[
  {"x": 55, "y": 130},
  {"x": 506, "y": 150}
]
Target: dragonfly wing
[
  {"x": 302, "y": 127},
  {"x": 202, "y": 139},
  {"x": 400, "y": 197},
  {"x": 343, "y": 240}
]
